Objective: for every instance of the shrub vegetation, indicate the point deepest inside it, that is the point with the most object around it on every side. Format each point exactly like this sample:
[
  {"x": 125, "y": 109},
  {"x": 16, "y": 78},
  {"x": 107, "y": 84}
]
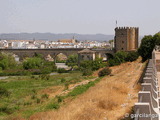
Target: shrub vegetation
[
  {"x": 35, "y": 65},
  {"x": 104, "y": 71},
  {"x": 87, "y": 67},
  {"x": 121, "y": 57},
  {"x": 62, "y": 70}
]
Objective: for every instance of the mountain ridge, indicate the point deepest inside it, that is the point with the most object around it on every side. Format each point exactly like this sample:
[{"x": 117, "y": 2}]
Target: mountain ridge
[{"x": 55, "y": 36}]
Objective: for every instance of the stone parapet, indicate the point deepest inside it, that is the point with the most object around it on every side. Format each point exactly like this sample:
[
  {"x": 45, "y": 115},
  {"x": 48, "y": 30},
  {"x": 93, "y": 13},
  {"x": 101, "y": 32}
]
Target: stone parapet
[{"x": 148, "y": 97}]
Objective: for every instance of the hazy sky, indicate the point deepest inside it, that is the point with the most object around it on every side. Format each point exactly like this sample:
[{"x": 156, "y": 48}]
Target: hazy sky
[{"x": 78, "y": 16}]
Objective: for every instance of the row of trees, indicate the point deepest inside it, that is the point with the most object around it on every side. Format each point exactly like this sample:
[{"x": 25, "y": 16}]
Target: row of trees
[
  {"x": 121, "y": 57},
  {"x": 7, "y": 61},
  {"x": 37, "y": 65},
  {"x": 34, "y": 65}
]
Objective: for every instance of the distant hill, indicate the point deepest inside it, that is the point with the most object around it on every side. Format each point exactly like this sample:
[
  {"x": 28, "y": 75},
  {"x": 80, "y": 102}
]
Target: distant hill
[{"x": 55, "y": 37}]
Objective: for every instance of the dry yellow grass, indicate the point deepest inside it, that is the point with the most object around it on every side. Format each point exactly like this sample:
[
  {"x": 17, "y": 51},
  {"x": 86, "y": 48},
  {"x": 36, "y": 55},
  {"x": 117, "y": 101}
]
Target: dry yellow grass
[{"x": 110, "y": 99}]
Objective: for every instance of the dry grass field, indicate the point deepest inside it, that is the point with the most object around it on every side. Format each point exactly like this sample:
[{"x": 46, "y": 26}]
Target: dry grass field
[{"x": 109, "y": 99}]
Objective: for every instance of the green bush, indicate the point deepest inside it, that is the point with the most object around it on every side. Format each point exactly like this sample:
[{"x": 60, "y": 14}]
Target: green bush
[
  {"x": 53, "y": 106},
  {"x": 72, "y": 60},
  {"x": 59, "y": 99},
  {"x": 33, "y": 96},
  {"x": 45, "y": 96},
  {"x": 34, "y": 91},
  {"x": 62, "y": 70},
  {"x": 38, "y": 100},
  {"x": 6, "y": 109},
  {"x": 104, "y": 71},
  {"x": 121, "y": 57},
  {"x": 93, "y": 65},
  {"x": 32, "y": 63},
  {"x": 113, "y": 62},
  {"x": 7, "y": 61},
  {"x": 48, "y": 67},
  {"x": 85, "y": 64},
  {"x": 27, "y": 103},
  {"x": 46, "y": 70},
  {"x": 87, "y": 72},
  {"x": 97, "y": 63},
  {"x": 132, "y": 56},
  {"x": 44, "y": 77},
  {"x": 63, "y": 80},
  {"x": 4, "y": 92}
]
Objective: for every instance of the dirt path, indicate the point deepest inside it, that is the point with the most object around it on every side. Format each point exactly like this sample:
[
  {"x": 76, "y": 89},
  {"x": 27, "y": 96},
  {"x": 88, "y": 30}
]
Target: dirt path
[
  {"x": 72, "y": 86},
  {"x": 59, "y": 90},
  {"x": 110, "y": 99}
]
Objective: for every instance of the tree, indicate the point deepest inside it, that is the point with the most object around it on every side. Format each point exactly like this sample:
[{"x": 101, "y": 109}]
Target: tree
[
  {"x": 72, "y": 60},
  {"x": 97, "y": 63},
  {"x": 48, "y": 67},
  {"x": 156, "y": 37},
  {"x": 86, "y": 64},
  {"x": 147, "y": 46},
  {"x": 92, "y": 65},
  {"x": 32, "y": 63},
  {"x": 121, "y": 57},
  {"x": 7, "y": 61}
]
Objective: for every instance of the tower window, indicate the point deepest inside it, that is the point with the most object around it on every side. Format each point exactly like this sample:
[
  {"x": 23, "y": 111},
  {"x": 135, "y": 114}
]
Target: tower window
[
  {"x": 122, "y": 48},
  {"x": 122, "y": 41}
]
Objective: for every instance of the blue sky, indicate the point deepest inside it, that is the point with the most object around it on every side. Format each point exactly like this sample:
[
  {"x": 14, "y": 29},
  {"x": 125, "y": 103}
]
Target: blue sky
[{"x": 78, "y": 16}]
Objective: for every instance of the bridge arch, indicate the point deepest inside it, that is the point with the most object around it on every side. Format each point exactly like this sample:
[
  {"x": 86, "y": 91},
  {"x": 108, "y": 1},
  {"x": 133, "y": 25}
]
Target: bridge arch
[
  {"x": 22, "y": 53},
  {"x": 106, "y": 56},
  {"x": 61, "y": 55},
  {"x": 109, "y": 55}
]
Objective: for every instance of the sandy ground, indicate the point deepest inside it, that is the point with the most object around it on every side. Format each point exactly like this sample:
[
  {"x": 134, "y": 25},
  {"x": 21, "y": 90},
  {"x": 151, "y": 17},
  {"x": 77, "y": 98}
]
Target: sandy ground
[{"x": 109, "y": 99}]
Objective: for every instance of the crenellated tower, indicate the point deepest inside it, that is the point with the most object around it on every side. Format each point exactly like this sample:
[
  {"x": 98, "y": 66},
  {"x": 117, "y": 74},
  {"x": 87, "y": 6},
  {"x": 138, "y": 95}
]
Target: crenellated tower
[{"x": 126, "y": 38}]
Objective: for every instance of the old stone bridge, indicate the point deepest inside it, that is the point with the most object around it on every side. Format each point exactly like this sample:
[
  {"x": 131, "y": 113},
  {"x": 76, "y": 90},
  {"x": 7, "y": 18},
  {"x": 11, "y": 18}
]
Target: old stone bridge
[{"x": 53, "y": 52}]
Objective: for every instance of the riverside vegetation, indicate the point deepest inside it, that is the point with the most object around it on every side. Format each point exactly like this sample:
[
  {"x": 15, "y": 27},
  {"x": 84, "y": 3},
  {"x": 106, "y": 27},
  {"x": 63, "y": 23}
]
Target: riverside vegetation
[
  {"x": 33, "y": 89},
  {"x": 38, "y": 90}
]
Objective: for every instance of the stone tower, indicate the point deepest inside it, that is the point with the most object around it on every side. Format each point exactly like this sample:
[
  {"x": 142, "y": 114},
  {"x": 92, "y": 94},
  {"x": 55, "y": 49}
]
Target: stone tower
[{"x": 126, "y": 38}]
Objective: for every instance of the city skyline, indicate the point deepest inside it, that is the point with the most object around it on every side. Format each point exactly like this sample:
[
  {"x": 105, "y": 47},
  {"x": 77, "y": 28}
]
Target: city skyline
[{"x": 82, "y": 17}]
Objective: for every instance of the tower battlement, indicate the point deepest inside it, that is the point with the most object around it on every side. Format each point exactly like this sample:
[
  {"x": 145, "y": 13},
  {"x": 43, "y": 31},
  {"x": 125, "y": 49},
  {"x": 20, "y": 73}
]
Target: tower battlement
[{"x": 125, "y": 28}]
